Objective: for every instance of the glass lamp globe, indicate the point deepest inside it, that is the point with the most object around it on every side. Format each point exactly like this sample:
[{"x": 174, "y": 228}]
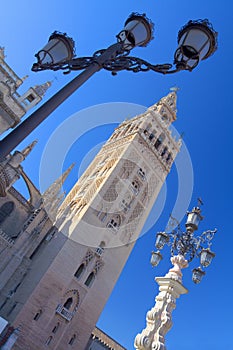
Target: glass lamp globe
[
  {"x": 59, "y": 48},
  {"x": 161, "y": 239},
  {"x": 197, "y": 40},
  {"x": 138, "y": 31},
  {"x": 156, "y": 257},
  {"x": 193, "y": 219},
  {"x": 198, "y": 274},
  {"x": 206, "y": 257}
]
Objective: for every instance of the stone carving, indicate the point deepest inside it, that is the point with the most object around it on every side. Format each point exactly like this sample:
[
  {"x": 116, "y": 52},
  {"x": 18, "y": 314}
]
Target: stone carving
[{"x": 159, "y": 317}]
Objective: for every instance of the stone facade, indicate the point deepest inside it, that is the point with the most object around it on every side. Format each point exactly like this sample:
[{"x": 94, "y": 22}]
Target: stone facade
[
  {"x": 14, "y": 106},
  {"x": 58, "y": 267}
]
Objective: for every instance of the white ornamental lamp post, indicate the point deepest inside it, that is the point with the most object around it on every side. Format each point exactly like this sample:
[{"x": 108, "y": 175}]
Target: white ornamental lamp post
[{"x": 185, "y": 246}]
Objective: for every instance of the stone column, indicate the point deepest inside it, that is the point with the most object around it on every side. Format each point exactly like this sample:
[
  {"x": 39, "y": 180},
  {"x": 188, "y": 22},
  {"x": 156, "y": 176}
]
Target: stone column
[{"x": 158, "y": 319}]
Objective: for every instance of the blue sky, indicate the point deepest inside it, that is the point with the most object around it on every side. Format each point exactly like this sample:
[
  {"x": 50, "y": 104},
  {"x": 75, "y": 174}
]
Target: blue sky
[{"x": 202, "y": 319}]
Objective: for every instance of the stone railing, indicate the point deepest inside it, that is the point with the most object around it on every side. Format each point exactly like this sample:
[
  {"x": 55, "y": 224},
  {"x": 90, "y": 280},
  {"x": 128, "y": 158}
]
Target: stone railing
[
  {"x": 62, "y": 311},
  {"x": 4, "y": 236}
]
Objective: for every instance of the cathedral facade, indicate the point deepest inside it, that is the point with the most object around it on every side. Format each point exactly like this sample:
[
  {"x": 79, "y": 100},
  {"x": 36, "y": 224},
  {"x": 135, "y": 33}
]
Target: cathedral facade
[{"x": 59, "y": 263}]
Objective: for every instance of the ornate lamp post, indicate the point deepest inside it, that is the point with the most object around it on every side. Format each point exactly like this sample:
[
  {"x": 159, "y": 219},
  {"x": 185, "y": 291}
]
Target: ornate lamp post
[
  {"x": 197, "y": 40},
  {"x": 185, "y": 246}
]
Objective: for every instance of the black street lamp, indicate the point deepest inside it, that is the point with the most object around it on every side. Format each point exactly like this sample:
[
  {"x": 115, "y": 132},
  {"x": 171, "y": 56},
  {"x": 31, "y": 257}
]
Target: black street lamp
[{"x": 197, "y": 40}]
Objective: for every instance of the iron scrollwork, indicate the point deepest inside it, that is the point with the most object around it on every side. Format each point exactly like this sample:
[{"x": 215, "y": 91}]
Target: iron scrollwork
[{"x": 121, "y": 62}]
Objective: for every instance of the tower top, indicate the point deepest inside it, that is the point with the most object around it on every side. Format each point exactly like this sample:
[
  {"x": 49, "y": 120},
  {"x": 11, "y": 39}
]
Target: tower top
[
  {"x": 41, "y": 89},
  {"x": 166, "y": 107},
  {"x": 54, "y": 189},
  {"x": 170, "y": 102}
]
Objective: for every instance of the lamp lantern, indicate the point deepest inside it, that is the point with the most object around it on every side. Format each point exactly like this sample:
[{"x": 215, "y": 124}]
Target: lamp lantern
[
  {"x": 59, "y": 48},
  {"x": 156, "y": 257},
  {"x": 138, "y": 31},
  {"x": 193, "y": 219},
  {"x": 198, "y": 274},
  {"x": 206, "y": 257},
  {"x": 161, "y": 239},
  {"x": 197, "y": 40}
]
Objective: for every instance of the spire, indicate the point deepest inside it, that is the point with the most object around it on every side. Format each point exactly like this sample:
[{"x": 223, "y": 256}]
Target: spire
[
  {"x": 2, "y": 52},
  {"x": 170, "y": 100},
  {"x": 41, "y": 89},
  {"x": 19, "y": 156},
  {"x": 54, "y": 189},
  {"x": 53, "y": 197},
  {"x": 25, "y": 152},
  {"x": 167, "y": 106}
]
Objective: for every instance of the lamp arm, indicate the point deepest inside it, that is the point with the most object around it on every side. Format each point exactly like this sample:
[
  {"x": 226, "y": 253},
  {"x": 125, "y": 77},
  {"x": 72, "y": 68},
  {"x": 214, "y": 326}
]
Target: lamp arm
[{"x": 120, "y": 61}]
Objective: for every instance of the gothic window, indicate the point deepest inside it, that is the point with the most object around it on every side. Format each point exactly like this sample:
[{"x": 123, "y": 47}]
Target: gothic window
[
  {"x": 169, "y": 158},
  {"x": 141, "y": 173},
  {"x": 5, "y": 210},
  {"x": 30, "y": 98},
  {"x": 152, "y": 135},
  {"x": 159, "y": 141},
  {"x": 48, "y": 341},
  {"x": 68, "y": 303},
  {"x": 164, "y": 151},
  {"x": 135, "y": 187},
  {"x": 146, "y": 131},
  {"x": 90, "y": 279},
  {"x": 55, "y": 328},
  {"x": 37, "y": 315},
  {"x": 100, "y": 249},
  {"x": 72, "y": 339},
  {"x": 80, "y": 271},
  {"x": 114, "y": 223}
]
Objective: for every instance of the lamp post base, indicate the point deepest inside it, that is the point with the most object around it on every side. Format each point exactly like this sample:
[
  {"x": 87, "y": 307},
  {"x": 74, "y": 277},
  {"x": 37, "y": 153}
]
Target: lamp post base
[{"x": 158, "y": 319}]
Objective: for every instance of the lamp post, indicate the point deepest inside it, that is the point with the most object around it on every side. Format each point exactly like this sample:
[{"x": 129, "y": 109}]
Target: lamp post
[
  {"x": 197, "y": 40},
  {"x": 185, "y": 246}
]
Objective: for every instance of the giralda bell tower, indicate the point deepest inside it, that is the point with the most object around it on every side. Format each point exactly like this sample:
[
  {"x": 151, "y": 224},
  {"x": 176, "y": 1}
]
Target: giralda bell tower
[{"x": 98, "y": 222}]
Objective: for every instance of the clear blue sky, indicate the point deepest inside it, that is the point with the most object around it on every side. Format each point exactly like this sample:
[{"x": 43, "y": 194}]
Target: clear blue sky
[{"x": 203, "y": 318}]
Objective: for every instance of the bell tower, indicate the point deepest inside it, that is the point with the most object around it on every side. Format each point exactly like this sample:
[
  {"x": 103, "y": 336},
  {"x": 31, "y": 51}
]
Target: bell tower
[{"x": 98, "y": 224}]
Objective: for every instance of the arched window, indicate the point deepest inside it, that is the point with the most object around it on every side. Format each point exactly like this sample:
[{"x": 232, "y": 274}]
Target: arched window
[
  {"x": 159, "y": 141},
  {"x": 68, "y": 303},
  {"x": 5, "y": 210},
  {"x": 55, "y": 328},
  {"x": 72, "y": 339},
  {"x": 48, "y": 341},
  {"x": 146, "y": 131},
  {"x": 37, "y": 315},
  {"x": 80, "y": 270},
  {"x": 135, "y": 186},
  {"x": 141, "y": 173},
  {"x": 169, "y": 158},
  {"x": 114, "y": 223},
  {"x": 164, "y": 151},
  {"x": 90, "y": 279},
  {"x": 152, "y": 135}
]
